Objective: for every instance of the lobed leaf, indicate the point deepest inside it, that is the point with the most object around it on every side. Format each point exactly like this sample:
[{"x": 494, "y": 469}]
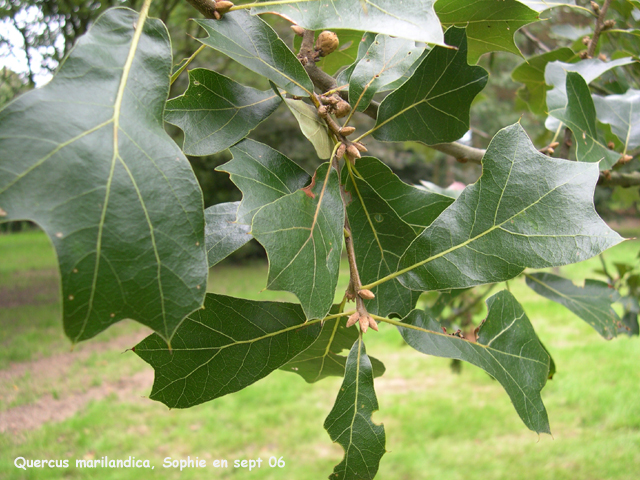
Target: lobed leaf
[
  {"x": 263, "y": 175},
  {"x": 216, "y": 112},
  {"x": 222, "y": 235},
  {"x": 433, "y": 105},
  {"x": 555, "y": 75},
  {"x": 507, "y": 348},
  {"x": 386, "y": 60},
  {"x": 344, "y": 77},
  {"x": 87, "y": 158},
  {"x": 622, "y": 112},
  {"x": 592, "y": 303},
  {"x": 414, "y": 19},
  {"x": 526, "y": 210},
  {"x": 250, "y": 41},
  {"x": 490, "y": 25},
  {"x": 381, "y": 234},
  {"x": 225, "y": 347},
  {"x": 323, "y": 359},
  {"x": 302, "y": 234},
  {"x": 349, "y": 423},
  {"x": 580, "y": 116},
  {"x": 531, "y": 73}
]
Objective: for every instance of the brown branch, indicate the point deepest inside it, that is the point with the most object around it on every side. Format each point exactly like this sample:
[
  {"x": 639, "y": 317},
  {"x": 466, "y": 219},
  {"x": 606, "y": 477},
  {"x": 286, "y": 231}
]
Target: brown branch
[
  {"x": 600, "y": 26},
  {"x": 618, "y": 179},
  {"x": 205, "y": 7},
  {"x": 565, "y": 145}
]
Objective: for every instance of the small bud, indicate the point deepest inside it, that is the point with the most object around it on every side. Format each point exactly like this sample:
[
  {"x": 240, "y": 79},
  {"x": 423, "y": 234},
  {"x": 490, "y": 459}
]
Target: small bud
[
  {"x": 364, "y": 323},
  {"x": 373, "y": 324},
  {"x": 606, "y": 174},
  {"x": 623, "y": 159},
  {"x": 586, "y": 40},
  {"x": 608, "y": 24},
  {"x": 550, "y": 151},
  {"x": 327, "y": 43},
  {"x": 298, "y": 30},
  {"x": 340, "y": 151},
  {"x": 595, "y": 7},
  {"x": 217, "y": 15},
  {"x": 366, "y": 294},
  {"x": 342, "y": 109},
  {"x": 603, "y": 57},
  {"x": 322, "y": 111},
  {"x": 583, "y": 54},
  {"x": 360, "y": 147},
  {"x": 352, "y": 152},
  {"x": 611, "y": 145},
  {"x": 554, "y": 144},
  {"x": 223, "y": 6},
  {"x": 353, "y": 319},
  {"x": 346, "y": 131}
]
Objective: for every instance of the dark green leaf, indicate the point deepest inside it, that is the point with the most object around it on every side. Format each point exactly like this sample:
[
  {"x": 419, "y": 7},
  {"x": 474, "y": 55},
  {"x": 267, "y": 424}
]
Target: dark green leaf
[
  {"x": 250, "y": 41},
  {"x": 87, "y": 158},
  {"x": 225, "y": 347},
  {"x": 526, "y": 210},
  {"x": 507, "y": 348},
  {"x": 592, "y": 303},
  {"x": 380, "y": 234},
  {"x": 622, "y": 112},
  {"x": 531, "y": 73},
  {"x": 386, "y": 60},
  {"x": 323, "y": 359},
  {"x": 555, "y": 74},
  {"x": 263, "y": 175},
  {"x": 215, "y": 112},
  {"x": 433, "y": 105},
  {"x": 580, "y": 116},
  {"x": 222, "y": 235},
  {"x": 302, "y": 234},
  {"x": 414, "y": 19},
  {"x": 490, "y": 24},
  {"x": 349, "y": 423}
]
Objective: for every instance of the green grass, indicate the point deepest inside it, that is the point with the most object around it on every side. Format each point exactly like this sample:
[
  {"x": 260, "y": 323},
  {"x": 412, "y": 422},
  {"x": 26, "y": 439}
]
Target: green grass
[{"x": 439, "y": 426}]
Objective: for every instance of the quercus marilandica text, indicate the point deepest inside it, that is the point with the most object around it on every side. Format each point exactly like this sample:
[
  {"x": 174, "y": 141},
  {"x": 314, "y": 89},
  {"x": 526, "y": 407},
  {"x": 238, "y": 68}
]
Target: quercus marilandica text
[{"x": 134, "y": 241}]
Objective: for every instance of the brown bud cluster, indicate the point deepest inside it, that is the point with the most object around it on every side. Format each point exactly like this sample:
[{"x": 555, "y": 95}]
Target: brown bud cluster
[
  {"x": 327, "y": 43},
  {"x": 346, "y": 131},
  {"x": 365, "y": 322},
  {"x": 352, "y": 154},
  {"x": 608, "y": 24},
  {"x": 595, "y": 7},
  {"x": 342, "y": 109}
]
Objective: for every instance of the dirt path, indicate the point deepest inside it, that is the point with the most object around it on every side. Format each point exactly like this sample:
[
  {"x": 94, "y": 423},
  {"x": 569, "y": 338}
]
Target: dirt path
[{"x": 49, "y": 409}]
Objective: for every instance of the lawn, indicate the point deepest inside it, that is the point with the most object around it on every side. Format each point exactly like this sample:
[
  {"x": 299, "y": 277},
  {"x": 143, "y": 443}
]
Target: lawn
[{"x": 89, "y": 403}]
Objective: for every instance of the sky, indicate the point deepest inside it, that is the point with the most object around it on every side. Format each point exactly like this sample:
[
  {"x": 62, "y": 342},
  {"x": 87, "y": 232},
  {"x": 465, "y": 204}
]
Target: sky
[{"x": 13, "y": 56}]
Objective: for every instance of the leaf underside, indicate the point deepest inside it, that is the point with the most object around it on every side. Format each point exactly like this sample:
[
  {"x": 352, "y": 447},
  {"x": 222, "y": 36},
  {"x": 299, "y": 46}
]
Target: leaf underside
[
  {"x": 526, "y": 210},
  {"x": 225, "y": 347},
  {"x": 507, "y": 348},
  {"x": 592, "y": 303},
  {"x": 87, "y": 158},
  {"x": 622, "y": 112},
  {"x": 415, "y": 20},
  {"x": 222, "y": 235}
]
